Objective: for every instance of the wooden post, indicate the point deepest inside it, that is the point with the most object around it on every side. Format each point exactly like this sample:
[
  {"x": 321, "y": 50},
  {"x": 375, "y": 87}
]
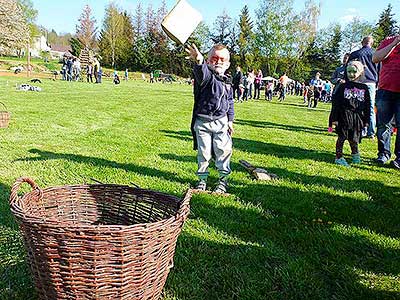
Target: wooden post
[{"x": 28, "y": 58}]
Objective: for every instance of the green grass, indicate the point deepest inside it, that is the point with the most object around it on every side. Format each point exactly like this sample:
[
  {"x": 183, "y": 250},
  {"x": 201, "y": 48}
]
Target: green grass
[{"x": 319, "y": 232}]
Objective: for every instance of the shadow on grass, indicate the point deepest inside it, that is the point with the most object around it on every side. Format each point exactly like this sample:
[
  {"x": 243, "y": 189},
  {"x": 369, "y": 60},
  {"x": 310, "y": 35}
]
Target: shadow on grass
[
  {"x": 228, "y": 252},
  {"x": 302, "y": 105},
  {"x": 246, "y": 145},
  {"x": 95, "y": 161},
  {"x": 14, "y": 281},
  {"x": 266, "y": 124}
]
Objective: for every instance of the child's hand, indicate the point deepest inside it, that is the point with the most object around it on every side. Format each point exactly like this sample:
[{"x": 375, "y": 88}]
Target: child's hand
[
  {"x": 230, "y": 128},
  {"x": 334, "y": 123},
  {"x": 194, "y": 54}
]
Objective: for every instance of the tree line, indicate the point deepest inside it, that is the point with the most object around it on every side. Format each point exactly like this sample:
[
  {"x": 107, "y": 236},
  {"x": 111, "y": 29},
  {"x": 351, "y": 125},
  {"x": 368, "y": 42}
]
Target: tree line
[{"x": 279, "y": 39}]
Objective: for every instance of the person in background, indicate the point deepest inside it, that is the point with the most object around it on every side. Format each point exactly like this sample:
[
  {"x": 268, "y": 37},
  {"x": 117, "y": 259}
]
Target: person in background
[
  {"x": 257, "y": 85},
  {"x": 89, "y": 72},
  {"x": 269, "y": 89},
  {"x": 364, "y": 55},
  {"x": 317, "y": 84},
  {"x": 126, "y": 74},
  {"x": 283, "y": 81},
  {"x": 236, "y": 81},
  {"x": 388, "y": 98},
  {"x": 339, "y": 75}
]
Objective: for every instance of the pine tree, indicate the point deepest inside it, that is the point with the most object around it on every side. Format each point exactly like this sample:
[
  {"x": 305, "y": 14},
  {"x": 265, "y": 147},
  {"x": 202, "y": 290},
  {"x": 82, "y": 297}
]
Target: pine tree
[
  {"x": 86, "y": 29},
  {"x": 386, "y": 25},
  {"x": 124, "y": 46},
  {"x": 245, "y": 35},
  {"x": 138, "y": 21}
]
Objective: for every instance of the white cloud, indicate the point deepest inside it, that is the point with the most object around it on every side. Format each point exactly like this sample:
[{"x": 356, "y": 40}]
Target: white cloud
[
  {"x": 351, "y": 10},
  {"x": 347, "y": 18}
]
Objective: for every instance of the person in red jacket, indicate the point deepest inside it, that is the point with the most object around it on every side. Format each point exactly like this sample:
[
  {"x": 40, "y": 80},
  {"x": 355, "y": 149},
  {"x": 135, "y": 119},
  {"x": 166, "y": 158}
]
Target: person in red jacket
[{"x": 388, "y": 98}]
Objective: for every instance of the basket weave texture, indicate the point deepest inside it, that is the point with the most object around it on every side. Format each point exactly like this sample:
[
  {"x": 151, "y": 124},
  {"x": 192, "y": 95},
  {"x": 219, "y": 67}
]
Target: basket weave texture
[
  {"x": 4, "y": 117},
  {"x": 101, "y": 241}
]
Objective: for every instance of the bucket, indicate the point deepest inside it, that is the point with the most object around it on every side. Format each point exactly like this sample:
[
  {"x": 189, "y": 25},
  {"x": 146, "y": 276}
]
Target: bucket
[{"x": 181, "y": 21}]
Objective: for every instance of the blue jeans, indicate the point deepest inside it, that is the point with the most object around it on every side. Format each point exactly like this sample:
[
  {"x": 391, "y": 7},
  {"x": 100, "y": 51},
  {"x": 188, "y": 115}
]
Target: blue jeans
[
  {"x": 372, "y": 122},
  {"x": 388, "y": 104}
]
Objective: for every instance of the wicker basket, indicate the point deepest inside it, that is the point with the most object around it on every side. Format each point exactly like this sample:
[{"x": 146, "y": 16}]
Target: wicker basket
[
  {"x": 4, "y": 117},
  {"x": 101, "y": 241}
]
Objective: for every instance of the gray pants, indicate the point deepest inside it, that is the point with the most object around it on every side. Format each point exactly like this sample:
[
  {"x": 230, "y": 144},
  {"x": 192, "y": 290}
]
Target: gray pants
[{"x": 213, "y": 136}]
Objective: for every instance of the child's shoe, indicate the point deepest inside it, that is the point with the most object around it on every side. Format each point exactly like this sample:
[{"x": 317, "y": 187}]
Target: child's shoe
[
  {"x": 356, "y": 159},
  {"x": 222, "y": 186},
  {"x": 201, "y": 185},
  {"x": 341, "y": 162}
]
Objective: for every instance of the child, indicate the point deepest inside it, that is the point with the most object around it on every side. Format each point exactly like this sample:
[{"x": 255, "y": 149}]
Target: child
[
  {"x": 269, "y": 90},
  {"x": 350, "y": 112},
  {"x": 212, "y": 119},
  {"x": 309, "y": 90}
]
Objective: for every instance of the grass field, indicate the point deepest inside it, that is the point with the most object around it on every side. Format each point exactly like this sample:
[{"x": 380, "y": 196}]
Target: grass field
[{"x": 319, "y": 232}]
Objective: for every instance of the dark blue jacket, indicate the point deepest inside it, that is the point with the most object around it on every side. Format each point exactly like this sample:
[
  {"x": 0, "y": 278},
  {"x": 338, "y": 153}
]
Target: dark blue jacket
[
  {"x": 364, "y": 55},
  {"x": 213, "y": 96}
]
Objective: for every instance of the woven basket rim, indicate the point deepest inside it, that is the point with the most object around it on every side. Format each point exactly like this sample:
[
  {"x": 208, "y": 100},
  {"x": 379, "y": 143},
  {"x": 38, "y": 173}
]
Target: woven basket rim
[{"x": 51, "y": 223}]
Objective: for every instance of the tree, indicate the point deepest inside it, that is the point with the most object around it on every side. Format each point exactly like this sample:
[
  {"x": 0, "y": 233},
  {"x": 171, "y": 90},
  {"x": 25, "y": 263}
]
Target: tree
[
  {"x": 112, "y": 30},
  {"x": 124, "y": 46},
  {"x": 14, "y": 32},
  {"x": 245, "y": 35},
  {"x": 353, "y": 34},
  {"x": 222, "y": 29},
  {"x": 323, "y": 54},
  {"x": 138, "y": 21},
  {"x": 386, "y": 25},
  {"x": 76, "y": 46},
  {"x": 30, "y": 15},
  {"x": 86, "y": 29},
  {"x": 201, "y": 37},
  {"x": 273, "y": 27}
]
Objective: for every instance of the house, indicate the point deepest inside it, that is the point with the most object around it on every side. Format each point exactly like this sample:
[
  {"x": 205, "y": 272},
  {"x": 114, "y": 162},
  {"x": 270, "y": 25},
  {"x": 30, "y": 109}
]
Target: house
[
  {"x": 39, "y": 45},
  {"x": 59, "y": 51}
]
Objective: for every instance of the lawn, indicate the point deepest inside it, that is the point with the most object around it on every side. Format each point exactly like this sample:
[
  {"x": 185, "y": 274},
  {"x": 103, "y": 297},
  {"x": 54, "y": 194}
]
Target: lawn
[{"x": 320, "y": 231}]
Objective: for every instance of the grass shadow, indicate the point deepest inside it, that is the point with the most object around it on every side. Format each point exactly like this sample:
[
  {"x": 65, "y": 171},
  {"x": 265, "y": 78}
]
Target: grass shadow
[
  {"x": 248, "y": 254},
  {"x": 266, "y": 124},
  {"x": 280, "y": 151},
  {"x": 95, "y": 161}
]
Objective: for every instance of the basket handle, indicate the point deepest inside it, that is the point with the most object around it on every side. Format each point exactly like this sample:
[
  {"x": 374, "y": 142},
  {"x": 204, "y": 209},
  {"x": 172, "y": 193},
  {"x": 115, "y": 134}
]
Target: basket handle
[
  {"x": 16, "y": 185},
  {"x": 3, "y": 105}
]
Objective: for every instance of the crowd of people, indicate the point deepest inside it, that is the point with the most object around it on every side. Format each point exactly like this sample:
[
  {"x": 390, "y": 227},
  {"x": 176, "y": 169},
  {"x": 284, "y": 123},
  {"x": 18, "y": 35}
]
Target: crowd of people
[
  {"x": 71, "y": 69},
  {"x": 355, "y": 87},
  {"x": 248, "y": 85}
]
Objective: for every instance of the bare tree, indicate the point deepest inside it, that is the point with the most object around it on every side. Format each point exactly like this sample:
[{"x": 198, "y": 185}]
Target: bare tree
[{"x": 86, "y": 29}]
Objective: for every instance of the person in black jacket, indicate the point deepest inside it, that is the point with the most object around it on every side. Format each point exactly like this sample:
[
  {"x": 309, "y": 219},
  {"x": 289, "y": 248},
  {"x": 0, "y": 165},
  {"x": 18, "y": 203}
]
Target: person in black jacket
[
  {"x": 236, "y": 81},
  {"x": 364, "y": 55},
  {"x": 212, "y": 119},
  {"x": 350, "y": 112}
]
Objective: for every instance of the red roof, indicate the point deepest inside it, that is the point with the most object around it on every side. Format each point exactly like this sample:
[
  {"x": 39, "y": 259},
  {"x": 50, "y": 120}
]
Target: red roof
[{"x": 60, "y": 48}]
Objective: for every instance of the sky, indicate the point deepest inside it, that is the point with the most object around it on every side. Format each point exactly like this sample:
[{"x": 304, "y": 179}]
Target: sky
[{"x": 62, "y": 16}]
